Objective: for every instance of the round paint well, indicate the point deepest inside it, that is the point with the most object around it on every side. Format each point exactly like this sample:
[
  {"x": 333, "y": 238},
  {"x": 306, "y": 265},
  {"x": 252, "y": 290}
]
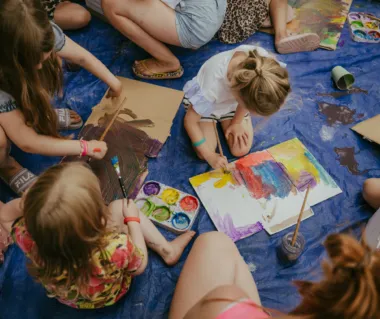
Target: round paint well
[
  {"x": 189, "y": 203},
  {"x": 361, "y": 34},
  {"x": 151, "y": 188},
  {"x": 181, "y": 221},
  {"x": 354, "y": 16},
  {"x": 161, "y": 213},
  {"x": 145, "y": 206},
  {"x": 371, "y": 25},
  {"x": 170, "y": 196},
  {"x": 357, "y": 24},
  {"x": 374, "y": 35}
]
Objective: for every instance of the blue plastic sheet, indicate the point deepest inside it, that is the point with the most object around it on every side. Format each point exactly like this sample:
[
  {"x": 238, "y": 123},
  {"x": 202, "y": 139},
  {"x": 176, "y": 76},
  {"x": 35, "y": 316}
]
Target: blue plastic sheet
[{"x": 151, "y": 293}]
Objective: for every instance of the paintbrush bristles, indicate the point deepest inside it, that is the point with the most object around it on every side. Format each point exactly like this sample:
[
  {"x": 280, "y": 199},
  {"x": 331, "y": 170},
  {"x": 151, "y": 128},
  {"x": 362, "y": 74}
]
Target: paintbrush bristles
[
  {"x": 112, "y": 121},
  {"x": 300, "y": 216}
]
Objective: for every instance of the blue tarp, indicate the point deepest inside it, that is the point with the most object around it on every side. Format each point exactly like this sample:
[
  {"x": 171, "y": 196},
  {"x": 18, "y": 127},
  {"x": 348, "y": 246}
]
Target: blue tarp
[{"x": 151, "y": 293}]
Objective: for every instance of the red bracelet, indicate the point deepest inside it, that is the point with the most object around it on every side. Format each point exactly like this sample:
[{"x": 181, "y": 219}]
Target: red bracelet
[
  {"x": 83, "y": 148},
  {"x": 131, "y": 219}
]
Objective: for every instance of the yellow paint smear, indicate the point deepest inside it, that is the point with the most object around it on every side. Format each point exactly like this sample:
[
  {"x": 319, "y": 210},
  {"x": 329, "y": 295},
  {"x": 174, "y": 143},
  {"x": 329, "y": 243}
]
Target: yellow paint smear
[
  {"x": 170, "y": 196},
  {"x": 223, "y": 179}
]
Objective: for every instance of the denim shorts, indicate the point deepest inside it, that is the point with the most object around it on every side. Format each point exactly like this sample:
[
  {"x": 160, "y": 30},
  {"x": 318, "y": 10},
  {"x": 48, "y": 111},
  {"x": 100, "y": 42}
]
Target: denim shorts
[{"x": 197, "y": 21}]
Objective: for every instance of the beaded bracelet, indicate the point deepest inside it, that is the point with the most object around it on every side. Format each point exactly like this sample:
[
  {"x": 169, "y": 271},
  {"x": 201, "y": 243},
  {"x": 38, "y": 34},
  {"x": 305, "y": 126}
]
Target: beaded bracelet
[{"x": 83, "y": 148}]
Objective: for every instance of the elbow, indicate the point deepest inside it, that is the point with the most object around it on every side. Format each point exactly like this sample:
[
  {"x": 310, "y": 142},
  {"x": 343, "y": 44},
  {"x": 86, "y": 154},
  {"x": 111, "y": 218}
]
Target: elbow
[{"x": 142, "y": 267}]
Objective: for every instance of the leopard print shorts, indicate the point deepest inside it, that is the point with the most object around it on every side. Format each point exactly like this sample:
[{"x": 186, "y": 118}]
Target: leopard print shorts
[
  {"x": 49, "y": 6},
  {"x": 243, "y": 18}
]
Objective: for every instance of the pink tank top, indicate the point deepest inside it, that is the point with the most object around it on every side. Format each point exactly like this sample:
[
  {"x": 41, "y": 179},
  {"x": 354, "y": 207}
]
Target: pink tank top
[{"x": 242, "y": 310}]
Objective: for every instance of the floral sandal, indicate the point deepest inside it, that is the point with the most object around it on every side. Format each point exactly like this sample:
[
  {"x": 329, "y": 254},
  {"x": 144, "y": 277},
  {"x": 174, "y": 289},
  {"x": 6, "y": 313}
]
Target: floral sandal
[
  {"x": 65, "y": 122},
  {"x": 298, "y": 43},
  {"x": 155, "y": 76}
]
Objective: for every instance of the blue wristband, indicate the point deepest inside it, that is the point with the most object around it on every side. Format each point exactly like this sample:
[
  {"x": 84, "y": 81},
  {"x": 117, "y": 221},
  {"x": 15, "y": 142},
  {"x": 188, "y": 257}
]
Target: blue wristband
[{"x": 199, "y": 143}]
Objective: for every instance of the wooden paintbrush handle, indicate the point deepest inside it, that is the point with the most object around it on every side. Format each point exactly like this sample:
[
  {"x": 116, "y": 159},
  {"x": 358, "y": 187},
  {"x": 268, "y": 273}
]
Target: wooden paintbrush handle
[
  {"x": 112, "y": 121},
  {"x": 300, "y": 216},
  {"x": 218, "y": 140}
]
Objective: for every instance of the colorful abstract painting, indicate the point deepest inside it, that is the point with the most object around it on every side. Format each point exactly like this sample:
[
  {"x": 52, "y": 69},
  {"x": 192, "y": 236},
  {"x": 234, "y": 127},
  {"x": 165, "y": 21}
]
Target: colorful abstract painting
[
  {"x": 264, "y": 190},
  {"x": 324, "y": 17}
]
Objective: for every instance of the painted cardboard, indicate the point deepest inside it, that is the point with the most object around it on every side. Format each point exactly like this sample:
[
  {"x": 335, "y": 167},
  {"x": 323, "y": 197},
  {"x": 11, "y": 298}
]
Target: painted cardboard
[
  {"x": 139, "y": 132},
  {"x": 369, "y": 129}
]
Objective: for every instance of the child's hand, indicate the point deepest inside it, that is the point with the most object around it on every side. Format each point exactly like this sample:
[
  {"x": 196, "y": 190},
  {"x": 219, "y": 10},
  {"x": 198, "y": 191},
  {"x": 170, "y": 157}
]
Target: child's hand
[
  {"x": 217, "y": 161},
  {"x": 130, "y": 209},
  {"x": 97, "y": 149},
  {"x": 238, "y": 133},
  {"x": 115, "y": 90}
]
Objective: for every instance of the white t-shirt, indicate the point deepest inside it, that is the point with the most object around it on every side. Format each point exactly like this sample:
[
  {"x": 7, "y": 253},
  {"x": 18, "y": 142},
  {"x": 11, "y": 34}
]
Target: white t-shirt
[{"x": 214, "y": 85}]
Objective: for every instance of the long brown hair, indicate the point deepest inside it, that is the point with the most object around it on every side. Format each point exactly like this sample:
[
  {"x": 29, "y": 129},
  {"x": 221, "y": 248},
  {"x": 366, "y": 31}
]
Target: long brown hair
[
  {"x": 26, "y": 34},
  {"x": 262, "y": 83},
  {"x": 67, "y": 219}
]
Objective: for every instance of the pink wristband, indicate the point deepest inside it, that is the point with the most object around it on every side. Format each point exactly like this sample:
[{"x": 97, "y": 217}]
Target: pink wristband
[{"x": 83, "y": 148}]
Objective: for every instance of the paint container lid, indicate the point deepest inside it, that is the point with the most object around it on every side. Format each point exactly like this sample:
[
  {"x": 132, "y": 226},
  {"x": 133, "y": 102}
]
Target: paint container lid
[
  {"x": 372, "y": 231},
  {"x": 343, "y": 79}
]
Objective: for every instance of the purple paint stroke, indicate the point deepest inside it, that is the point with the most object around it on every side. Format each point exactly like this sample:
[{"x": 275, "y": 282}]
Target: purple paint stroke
[
  {"x": 304, "y": 180},
  {"x": 226, "y": 225}
]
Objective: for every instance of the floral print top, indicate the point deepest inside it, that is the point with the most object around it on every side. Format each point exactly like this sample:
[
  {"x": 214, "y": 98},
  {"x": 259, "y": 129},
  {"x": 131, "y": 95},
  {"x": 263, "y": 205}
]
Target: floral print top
[{"x": 109, "y": 280}]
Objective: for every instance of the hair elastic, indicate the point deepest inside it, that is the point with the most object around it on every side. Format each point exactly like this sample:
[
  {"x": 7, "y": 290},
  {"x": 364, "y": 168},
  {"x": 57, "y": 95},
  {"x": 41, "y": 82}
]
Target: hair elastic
[
  {"x": 83, "y": 148},
  {"x": 199, "y": 143},
  {"x": 131, "y": 219}
]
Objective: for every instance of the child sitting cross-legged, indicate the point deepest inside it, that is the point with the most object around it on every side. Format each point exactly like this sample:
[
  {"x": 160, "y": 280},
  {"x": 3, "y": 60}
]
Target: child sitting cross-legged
[
  {"x": 84, "y": 253},
  {"x": 230, "y": 87}
]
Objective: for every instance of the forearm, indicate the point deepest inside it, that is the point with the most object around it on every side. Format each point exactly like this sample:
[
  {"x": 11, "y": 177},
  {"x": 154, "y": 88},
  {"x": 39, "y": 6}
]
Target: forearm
[
  {"x": 49, "y": 146},
  {"x": 239, "y": 115},
  {"x": 78, "y": 55},
  {"x": 196, "y": 135},
  {"x": 138, "y": 240}
]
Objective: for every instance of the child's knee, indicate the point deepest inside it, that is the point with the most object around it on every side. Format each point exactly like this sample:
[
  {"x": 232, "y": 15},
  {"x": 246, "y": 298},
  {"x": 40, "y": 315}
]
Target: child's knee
[
  {"x": 240, "y": 151},
  {"x": 371, "y": 191},
  {"x": 82, "y": 18}
]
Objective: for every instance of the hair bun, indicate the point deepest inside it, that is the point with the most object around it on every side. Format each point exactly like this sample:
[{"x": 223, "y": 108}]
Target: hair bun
[{"x": 259, "y": 72}]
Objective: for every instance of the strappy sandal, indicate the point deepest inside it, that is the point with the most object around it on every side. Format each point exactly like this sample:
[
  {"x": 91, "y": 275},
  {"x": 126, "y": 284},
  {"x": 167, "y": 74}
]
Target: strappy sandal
[
  {"x": 298, "y": 43},
  {"x": 64, "y": 120},
  {"x": 268, "y": 21},
  {"x": 155, "y": 76},
  {"x": 20, "y": 182},
  {"x": 5, "y": 242}
]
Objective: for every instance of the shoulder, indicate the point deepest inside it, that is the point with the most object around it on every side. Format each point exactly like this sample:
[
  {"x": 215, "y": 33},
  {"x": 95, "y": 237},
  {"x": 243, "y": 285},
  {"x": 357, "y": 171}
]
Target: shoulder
[
  {"x": 60, "y": 38},
  {"x": 7, "y": 102}
]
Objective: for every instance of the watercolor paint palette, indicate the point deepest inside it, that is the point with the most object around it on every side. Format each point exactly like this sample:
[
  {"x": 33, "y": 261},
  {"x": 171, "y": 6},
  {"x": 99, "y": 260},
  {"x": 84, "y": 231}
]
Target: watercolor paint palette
[
  {"x": 364, "y": 27},
  {"x": 168, "y": 207}
]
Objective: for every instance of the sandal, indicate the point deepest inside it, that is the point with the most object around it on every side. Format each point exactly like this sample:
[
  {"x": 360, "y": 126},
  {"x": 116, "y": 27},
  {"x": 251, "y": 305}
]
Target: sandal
[
  {"x": 5, "y": 242},
  {"x": 298, "y": 43},
  {"x": 20, "y": 182},
  {"x": 64, "y": 120},
  {"x": 155, "y": 76},
  {"x": 268, "y": 21}
]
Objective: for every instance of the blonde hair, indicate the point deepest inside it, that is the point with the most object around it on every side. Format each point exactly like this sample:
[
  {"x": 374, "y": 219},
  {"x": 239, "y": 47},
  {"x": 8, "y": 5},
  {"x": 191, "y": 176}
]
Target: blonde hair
[
  {"x": 66, "y": 217},
  {"x": 262, "y": 83}
]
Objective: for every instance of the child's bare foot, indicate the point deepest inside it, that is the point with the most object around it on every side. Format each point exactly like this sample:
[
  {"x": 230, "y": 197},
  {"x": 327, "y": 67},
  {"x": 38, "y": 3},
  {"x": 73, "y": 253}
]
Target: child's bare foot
[{"x": 177, "y": 246}]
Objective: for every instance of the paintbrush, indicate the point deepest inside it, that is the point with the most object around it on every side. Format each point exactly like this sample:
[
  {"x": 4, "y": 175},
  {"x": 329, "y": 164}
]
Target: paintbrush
[
  {"x": 300, "y": 216},
  {"x": 108, "y": 128},
  {"x": 115, "y": 164},
  {"x": 225, "y": 170}
]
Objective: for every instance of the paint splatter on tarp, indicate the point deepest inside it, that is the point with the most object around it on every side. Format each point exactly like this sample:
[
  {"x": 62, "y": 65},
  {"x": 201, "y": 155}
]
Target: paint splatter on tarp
[
  {"x": 346, "y": 157},
  {"x": 336, "y": 114}
]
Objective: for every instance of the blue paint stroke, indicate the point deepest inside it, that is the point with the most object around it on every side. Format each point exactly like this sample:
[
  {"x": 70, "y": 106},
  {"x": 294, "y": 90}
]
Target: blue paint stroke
[
  {"x": 226, "y": 225},
  {"x": 325, "y": 177},
  {"x": 273, "y": 178}
]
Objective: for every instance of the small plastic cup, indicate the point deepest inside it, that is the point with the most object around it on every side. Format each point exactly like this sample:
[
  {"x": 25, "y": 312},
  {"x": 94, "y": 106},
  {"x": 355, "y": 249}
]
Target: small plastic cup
[
  {"x": 288, "y": 252},
  {"x": 343, "y": 79}
]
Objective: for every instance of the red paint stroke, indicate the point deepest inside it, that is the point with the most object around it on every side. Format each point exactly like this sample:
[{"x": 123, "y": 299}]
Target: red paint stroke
[
  {"x": 189, "y": 203},
  {"x": 254, "y": 159},
  {"x": 255, "y": 184}
]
